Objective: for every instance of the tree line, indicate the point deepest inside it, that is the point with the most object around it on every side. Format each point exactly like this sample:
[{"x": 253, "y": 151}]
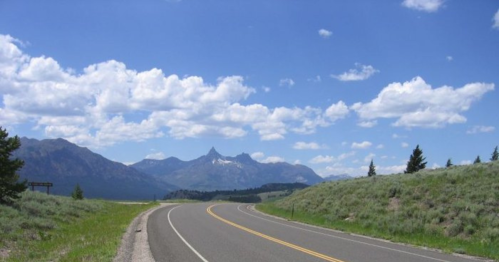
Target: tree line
[{"x": 249, "y": 195}]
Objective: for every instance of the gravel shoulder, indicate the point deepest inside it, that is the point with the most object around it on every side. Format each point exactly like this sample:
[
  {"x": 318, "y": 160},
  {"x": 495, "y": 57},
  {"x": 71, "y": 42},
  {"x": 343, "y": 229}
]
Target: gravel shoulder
[{"x": 134, "y": 244}]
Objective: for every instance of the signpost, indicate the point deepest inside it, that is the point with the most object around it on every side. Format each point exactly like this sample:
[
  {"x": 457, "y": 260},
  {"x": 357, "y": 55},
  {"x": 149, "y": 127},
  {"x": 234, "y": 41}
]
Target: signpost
[{"x": 47, "y": 184}]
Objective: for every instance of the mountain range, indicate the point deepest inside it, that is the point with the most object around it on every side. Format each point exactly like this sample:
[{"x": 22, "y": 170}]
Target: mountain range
[
  {"x": 65, "y": 164},
  {"x": 216, "y": 172}
]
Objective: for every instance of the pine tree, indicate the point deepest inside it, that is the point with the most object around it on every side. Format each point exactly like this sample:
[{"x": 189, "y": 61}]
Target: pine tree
[
  {"x": 9, "y": 185},
  {"x": 477, "y": 160},
  {"x": 495, "y": 155},
  {"x": 77, "y": 193},
  {"x": 449, "y": 163},
  {"x": 372, "y": 169},
  {"x": 415, "y": 162}
]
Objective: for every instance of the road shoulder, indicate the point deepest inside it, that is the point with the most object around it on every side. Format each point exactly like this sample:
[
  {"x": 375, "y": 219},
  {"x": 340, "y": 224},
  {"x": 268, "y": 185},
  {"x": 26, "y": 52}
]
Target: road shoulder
[{"x": 134, "y": 244}]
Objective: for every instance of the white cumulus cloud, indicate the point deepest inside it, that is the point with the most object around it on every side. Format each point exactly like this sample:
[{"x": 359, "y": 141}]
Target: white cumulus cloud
[
  {"x": 396, "y": 169},
  {"x": 286, "y": 82},
  {"x": 322, "y": 159},
  {"x": 367, "y": 124},
  {"x": 361, "y": 145},
  {"x": 108, "y": 103},
  {"x": 480, "y": 129},
  {"x": 465, "y": 162},
  {"x": 328, "y": 159},
  {"x": 157, "y": 156},
  {"x": 337, "y": 111},
  {"x": 362, "y": 72},
  {"x": 273, "y": 159},
  {"x": 369, "y": 157},
  {"x": 338, "y": 169},
  {"x": 305, "y": 146},
  {"x": 325, "y": 33},
  {"x": 495, "y": 19},
  {"x": 423, "y": 5},
  {"x": 416, "y": 104},
  {"x": 257, "y": 155}
]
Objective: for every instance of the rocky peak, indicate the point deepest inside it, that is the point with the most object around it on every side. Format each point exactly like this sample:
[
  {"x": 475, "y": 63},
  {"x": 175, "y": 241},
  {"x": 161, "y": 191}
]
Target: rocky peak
[
  {"x": 245, "y": 158},
  {"x": 213, "y": 154}
]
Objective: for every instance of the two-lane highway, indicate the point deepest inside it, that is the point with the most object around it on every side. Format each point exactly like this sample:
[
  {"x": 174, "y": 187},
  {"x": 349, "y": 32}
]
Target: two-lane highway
[{"x": 234, "y": 232}]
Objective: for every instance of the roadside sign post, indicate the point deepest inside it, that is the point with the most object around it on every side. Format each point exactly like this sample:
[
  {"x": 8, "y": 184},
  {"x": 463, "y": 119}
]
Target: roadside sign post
[{"x": 46, "y": 184}]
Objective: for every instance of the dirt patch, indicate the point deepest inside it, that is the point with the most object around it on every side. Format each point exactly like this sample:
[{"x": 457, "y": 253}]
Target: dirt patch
[
  {"x": 394, "y": 204},
  {"x": 4, "y": 253}
]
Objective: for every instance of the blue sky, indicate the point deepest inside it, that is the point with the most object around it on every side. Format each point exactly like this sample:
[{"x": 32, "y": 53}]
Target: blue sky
[{"x": 328, "y": 84}]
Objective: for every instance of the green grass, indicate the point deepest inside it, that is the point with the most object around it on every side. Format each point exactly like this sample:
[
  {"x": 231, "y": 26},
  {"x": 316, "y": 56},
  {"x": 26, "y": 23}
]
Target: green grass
[
  {"x": 52, "y": 228},
  {"x": 454, "y": 209}
]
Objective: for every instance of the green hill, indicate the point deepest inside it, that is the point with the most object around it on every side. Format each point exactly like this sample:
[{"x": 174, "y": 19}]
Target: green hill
[
  {"x": 40, "y": 227},
  {"x": 455, "y": 209}
]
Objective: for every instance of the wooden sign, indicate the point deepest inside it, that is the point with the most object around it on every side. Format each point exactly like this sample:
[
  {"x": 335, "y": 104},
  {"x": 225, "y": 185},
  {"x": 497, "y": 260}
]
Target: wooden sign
[
  {"x": 47, "y": 184},
  {"x": 40, "y": 184}
]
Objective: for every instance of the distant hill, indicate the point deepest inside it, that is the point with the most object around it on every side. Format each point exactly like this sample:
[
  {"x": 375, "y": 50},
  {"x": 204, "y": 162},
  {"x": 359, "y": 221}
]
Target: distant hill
[
  {"x": 65, "y": 164},
  {"x": 249, "y": 195},
  {"x": 216, "y": 172}
]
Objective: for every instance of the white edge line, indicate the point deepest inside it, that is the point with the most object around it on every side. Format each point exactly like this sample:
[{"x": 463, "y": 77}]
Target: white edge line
[
  {"x": 333, "y": 236},
  {"x": 185, "y": 241}
]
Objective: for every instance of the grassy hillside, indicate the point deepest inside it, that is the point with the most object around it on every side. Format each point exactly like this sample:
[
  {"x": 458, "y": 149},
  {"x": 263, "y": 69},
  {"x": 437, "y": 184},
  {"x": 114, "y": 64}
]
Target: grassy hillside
[
  {"x": 455, "y": 209},
  {"x": 39, "y": 227}
]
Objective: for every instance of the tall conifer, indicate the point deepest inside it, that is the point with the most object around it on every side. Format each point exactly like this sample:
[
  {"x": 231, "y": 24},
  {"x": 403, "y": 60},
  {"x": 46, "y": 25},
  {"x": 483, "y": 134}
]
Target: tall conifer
[
  {"x": 495, "y": 155},
  {"x": 10, "y": 187},
  {"x": 416, "y": 161},
  {"x": 449, "y": 163},
  {"x": 372, "y": 169}
]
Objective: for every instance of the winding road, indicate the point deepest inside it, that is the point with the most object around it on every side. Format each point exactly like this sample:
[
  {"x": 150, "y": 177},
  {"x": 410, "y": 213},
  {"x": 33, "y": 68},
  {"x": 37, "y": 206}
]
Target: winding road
[{"x": 237, "y": 233}]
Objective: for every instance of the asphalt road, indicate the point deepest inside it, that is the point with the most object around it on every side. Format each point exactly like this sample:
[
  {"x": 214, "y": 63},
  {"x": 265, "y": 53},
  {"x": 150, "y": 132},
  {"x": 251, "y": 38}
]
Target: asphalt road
[{"x": 236, "y": 233}]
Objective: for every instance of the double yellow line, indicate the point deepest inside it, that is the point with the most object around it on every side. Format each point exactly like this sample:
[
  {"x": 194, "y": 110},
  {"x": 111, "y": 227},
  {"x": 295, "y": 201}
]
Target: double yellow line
[{"x": 284, "y": 243}]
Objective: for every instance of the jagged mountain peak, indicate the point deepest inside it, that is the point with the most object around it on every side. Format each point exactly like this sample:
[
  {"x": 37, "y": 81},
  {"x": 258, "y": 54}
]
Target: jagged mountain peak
[{"x": 213, "y": 153}]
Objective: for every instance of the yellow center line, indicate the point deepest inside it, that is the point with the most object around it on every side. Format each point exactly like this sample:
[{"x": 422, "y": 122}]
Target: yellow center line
[{"x": 284, "y": 243}]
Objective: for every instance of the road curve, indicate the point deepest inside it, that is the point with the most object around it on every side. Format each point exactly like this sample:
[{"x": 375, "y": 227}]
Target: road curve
[{"x": 234, "y": 232}]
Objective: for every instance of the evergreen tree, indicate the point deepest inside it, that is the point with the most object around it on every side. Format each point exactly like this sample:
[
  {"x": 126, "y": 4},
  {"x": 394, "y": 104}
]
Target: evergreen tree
[
  {"x": 495, "y": 155},
  {"x": 449, "y": 163},
  {"x": 415, "y": 162},
  {"x": 372, "y": 169},
  {"x": 477, "y": 160},
  {"x": 77, "y": 193},
  {"x": 9, "y": 185}
]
